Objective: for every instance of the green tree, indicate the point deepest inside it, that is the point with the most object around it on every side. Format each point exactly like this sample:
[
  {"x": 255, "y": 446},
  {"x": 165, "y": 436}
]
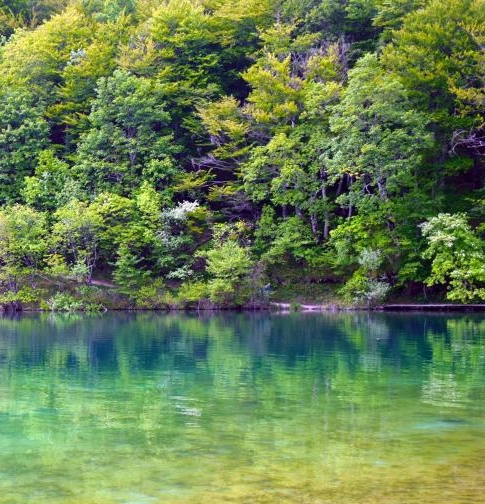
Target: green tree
[
  {"x": 76, "y": 235},
  {"x": 196, "y": 52},
  {"x": 127, "y": 141},
  {"x": 432, "y": 52},
  {"x": 458, "y": 257},
  {"x": 118, "y": 224},
  {"x": 129, "y": 277},
  {"x": 23, "y": 246},
  {"x": 351, "y": 21},
  {"x": 436, "y": 56},
  {"x": 273, "y": 142},
  {"x": 177, "y": 236},
  {"x": 16, "y": 14},
  {"x": 52, "y": 185},
  {"x": 228, "y": 264},
  {"x": 23, "y": 134},
  {"x": 391, "y": 14},
  {"x": 378, "y": 150},
  {"x": 36, "y": 59},
  {"x": 60, "y": 62},
  {"x": 379, "y": 139}
]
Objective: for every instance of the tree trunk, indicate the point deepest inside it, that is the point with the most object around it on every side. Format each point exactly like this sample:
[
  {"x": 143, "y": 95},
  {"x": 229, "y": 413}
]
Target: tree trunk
[
  {"x": 326, "y": 224},
  {"x": 314, "y": 223}
]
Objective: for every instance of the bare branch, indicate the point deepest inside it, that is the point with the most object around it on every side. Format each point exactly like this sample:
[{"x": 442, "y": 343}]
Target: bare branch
[{"x": 472, "y": 140}]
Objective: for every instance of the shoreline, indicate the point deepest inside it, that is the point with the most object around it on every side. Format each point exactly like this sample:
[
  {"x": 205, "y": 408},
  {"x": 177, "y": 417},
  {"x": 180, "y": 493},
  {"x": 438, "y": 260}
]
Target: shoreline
[
  {"x": 283, "y": 307},
  {"x": 401, "y": 307}
]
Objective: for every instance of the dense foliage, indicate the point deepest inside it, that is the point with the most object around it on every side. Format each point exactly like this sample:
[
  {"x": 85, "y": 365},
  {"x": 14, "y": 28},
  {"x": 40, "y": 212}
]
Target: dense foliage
[{"x": 208, "y": 151}]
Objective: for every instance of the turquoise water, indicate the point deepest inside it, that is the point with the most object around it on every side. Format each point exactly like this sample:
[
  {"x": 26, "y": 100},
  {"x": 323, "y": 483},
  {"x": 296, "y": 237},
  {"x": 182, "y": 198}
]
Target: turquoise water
[{"x": 242, "y": 408}]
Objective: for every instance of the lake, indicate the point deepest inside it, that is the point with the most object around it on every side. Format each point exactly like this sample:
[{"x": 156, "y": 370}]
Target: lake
[{"x": 242, "y": 408}]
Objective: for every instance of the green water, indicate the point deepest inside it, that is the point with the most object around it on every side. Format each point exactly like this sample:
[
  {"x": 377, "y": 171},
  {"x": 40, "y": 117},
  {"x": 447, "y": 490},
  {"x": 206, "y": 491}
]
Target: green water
[{"x": 242, "y": 408}]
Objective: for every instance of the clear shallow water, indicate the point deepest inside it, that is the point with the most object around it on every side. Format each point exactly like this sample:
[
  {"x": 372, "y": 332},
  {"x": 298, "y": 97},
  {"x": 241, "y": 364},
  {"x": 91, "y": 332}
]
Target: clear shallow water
[{"x": 242, "y": 408}]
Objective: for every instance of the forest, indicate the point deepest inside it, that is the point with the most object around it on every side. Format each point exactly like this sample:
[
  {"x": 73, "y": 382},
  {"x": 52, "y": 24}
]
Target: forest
[{"x": 220, "y": 153}]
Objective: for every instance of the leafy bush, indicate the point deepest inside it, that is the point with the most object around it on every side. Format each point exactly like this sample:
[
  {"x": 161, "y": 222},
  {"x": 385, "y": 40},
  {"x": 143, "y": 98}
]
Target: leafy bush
[
  {"x": 65, "y": 302},
  {"x": 25, "y": 295},
  {"x": 373, "y": 292},
  {"x": 228, "y": 265},
  {"x": 192, "y": 292},
  {"x": 366, "y": 285},
  {"x": 62, "y": 301}
]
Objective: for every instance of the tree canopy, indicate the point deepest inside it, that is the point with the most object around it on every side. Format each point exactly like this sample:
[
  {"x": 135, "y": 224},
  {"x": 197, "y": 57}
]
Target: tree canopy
[{"x": 201, "y": 150}]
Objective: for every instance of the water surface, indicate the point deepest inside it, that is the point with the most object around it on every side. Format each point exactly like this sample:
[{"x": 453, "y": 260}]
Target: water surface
[{"x": 242, "y": 408}]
